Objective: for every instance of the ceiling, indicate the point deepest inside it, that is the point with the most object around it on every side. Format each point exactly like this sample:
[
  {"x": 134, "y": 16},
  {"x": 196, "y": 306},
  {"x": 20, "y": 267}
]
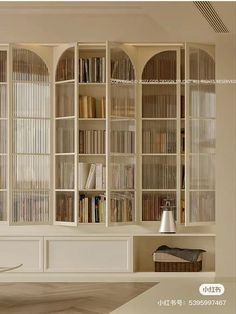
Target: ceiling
[{"x": 168, "y": 19}]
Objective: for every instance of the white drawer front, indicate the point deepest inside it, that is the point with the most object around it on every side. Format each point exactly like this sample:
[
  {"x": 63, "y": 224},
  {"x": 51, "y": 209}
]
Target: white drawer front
[
  {"x": 88, "y": 254},
  {"x": 27, "y": 251}
]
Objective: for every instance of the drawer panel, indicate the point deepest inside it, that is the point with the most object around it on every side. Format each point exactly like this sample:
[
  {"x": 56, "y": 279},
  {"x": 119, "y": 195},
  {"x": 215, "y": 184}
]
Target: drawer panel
[
  {"x": 88, "y": 254},
  {"x": 22, "y": 250}
]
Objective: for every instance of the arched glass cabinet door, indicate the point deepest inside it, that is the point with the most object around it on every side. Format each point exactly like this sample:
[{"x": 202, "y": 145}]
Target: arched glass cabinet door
[
  {"x": 200, "y": 135},
  {"x": 65, "y": 148},
  {"x": 30, "y": 119},
  {"x": 4, "y": 134},
  {"x": 122, "y": 154},
  {"x": 160, "y": 152}
]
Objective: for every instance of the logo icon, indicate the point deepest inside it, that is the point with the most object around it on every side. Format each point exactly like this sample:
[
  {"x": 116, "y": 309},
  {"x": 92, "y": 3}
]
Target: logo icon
[{"x": 211, "y": 289}]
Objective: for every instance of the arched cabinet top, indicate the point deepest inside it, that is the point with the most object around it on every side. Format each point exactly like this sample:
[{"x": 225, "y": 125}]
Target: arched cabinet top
[
  {"x": 122, "y": 67},
  {"x": 27, "y": 65},
  {"x": 161, "y": 66},
  {"x": 201, "y": 64},
  {"x": 66, "y": 65}
]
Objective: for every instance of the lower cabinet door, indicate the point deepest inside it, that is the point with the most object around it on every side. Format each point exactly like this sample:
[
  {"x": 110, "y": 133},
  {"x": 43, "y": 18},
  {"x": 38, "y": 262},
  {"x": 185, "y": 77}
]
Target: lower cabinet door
[
  {"x": 88, "y": 254},
  {"x": 27, "y": 251}
]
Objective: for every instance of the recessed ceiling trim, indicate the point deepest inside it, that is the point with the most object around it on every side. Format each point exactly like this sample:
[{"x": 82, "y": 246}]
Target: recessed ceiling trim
[{"x": 211, "y": 16}]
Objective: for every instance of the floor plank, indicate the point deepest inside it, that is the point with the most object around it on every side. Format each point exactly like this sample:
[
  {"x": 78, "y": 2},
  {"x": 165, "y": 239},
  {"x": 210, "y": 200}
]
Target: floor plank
[{"x": 67, "y": 298}]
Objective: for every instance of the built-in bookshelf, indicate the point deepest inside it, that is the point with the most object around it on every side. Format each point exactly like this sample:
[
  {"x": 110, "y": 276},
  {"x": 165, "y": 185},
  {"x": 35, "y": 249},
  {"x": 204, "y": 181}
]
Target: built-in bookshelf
[
  {"x": 65, "y": 146},
  {"x": 4, "y": 135},
  {"x": 92, "y": 132},
  {"x": 160, "y": 112},
  {"x": 107, "y": 133},
  {"x": 122, "y": 138}
]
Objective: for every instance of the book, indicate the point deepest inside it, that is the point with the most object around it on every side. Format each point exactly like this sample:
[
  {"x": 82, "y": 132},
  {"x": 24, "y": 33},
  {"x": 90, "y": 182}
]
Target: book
[
  {"x": 83, "y": 172},
  {"x": 90, "y": 183}
]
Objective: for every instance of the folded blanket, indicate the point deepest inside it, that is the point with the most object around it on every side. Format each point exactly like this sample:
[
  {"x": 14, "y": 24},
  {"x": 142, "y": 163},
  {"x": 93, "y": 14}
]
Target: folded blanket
[{"x": 190, "y": 255}]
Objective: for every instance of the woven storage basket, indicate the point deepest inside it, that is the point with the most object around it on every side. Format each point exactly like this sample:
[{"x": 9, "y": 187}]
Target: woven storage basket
[
  {"x": 166, "y": 263},
  {"x": 178, "y": 266}
]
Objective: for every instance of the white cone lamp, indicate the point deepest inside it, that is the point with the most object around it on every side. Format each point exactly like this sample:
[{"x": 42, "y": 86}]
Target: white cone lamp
[{"x": 167, "y": 219}]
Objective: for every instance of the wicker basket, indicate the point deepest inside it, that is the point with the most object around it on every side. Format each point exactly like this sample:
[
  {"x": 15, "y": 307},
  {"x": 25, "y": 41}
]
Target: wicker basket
[
  {"x": 178, "y": 266},
  {"x": 166, "y": 263}
]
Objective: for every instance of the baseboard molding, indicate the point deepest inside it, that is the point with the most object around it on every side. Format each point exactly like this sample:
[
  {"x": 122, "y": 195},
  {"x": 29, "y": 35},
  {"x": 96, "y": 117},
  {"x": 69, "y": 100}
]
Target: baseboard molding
[{"x": 98, "y": 277}]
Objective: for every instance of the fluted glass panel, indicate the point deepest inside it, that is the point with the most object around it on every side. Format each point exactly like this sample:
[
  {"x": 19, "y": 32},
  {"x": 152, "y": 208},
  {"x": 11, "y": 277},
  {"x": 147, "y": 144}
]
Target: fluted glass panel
[
  {"x": 27, "y": 92},
  {"x": 65, "y": 136},
  {"x": 122, "y": 101},
  {"x": 162, "y": 66},
  {"x": 66, "y": 66},
  {"x": 202, "y": 206},
  {"x": 65, "y": 172},
  {"x": 122, "y": 173},
  {"x": 202, "y": 172},
  {"x": 153, "y": 204},
  {"x": 3, "y": 101},
  {"x": 159, "y": 172},
  {"x": 159, "y": 137},
  {"x": 3, "y": 66},
  {"x": 65, "y": 100},
  {"x": 3, "y": 206},
  {"x": 31, "y": 172},
  {"x": 65, "y": 206},
  {"x": 3, "y": 136},
  {"x": 202, "y": 101},
  {"x": 3, "y": 172},
  {"x": 30, "y": 206},
  {"x": 31, "y": 138},
  {"x": 159, "y": 101}
]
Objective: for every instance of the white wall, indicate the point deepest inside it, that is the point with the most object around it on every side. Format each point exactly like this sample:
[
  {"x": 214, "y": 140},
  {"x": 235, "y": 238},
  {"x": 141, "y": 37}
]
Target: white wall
[{"x": 226, "y": 158}]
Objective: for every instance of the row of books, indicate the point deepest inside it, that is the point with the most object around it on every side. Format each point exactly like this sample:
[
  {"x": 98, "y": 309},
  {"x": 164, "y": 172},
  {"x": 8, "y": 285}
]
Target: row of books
[
  {"x": 3, "y": 101},
  {"x": 123, "y": 108},
  {"x": 201, "y": 66},
  {"x": 122, "y": 141},
  {"x": 3, "y": 66},
  {"x": 31, "y": 100},
  {"x": 28, "y": 66},
  {"x": 66, "y": 65},
  {"x": 152, "y": 205},
  {"x": 31, "y": 136},
  {"x": 122, "y": 176},
  {"x": 90, "y": 107},
  {"x": 65, "y": 137},
  {"x": 91, "y": 176},
  {"x": 64, "y": 173},
  {"x": 159, "y": 106},
  {"x": 92, "y": 209},
  {"x": 92, "y": 70},
  {"x": 161, "y": 67},
  {"x": 158, "y": 175},
  {"x": 155, "y": 141},
  {"x": 92, "y": 141},
  {"x": 202, "y": 101},
  {"x": 65, "y": 207},
  {"x": 30, "y": 207},
  {"x": 121, "y": 209},
  {"x": 121, "y": 67},
  {"x": 202, "y": 206}
]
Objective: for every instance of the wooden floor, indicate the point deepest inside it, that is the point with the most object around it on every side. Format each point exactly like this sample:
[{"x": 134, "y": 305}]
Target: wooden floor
[{"x": 67, "y": 298}]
